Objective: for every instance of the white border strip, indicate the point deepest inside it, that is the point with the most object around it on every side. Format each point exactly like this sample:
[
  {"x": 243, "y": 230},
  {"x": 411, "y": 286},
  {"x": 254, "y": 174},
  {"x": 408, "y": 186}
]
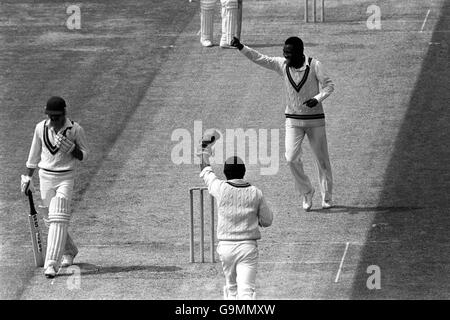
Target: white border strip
[{"x": 342, "y": 262}]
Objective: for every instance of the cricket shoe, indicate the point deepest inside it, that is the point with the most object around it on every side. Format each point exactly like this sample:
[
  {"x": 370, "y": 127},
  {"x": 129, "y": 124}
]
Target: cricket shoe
[
  {"x": 67, "y": 260},
  {"x": 228, "y": 295},
  {"x": 50, "y": 272},
  {"x": 327, "y": 204},
  {"x": 206, "y": 43},
  {"x": 307, "y": 200}
]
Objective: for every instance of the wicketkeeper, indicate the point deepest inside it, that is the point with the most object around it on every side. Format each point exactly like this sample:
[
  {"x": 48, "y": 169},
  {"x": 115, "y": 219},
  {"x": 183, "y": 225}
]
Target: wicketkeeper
[
  {"x": 231, "y": 21},
  {"x": 306, "y": 86},
  {"x": 241, "y": 211},
  {"x": 58, "y": 144}
]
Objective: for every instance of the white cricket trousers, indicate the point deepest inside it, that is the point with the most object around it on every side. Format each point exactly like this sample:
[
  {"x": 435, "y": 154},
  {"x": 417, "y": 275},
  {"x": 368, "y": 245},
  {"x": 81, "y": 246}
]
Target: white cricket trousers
[
  {"x": 318, "y": 142},
  {"x": 61, "y": 184},
  {"x": 239, "y": 263}
]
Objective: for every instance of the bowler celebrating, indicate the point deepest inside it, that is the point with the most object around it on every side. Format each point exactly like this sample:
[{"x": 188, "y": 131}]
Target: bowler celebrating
[
  {"x": 58, "y": 144},
  {"x": 306, "y": 86}
]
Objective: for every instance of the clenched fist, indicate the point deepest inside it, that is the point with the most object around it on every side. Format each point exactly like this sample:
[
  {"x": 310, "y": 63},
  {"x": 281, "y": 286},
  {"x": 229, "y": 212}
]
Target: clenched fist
[
  {"x": 311, "y": 103},
  {"x": 26, "y": 184}
]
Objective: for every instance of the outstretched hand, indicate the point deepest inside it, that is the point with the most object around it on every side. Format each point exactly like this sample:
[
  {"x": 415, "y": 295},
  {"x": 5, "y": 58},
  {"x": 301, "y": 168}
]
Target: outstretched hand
[{"x": 236, "y": 43}]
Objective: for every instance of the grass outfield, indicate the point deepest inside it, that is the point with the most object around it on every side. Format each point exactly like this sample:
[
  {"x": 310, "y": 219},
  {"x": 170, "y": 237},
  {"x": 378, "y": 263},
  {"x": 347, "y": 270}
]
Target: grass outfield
[{"x": 134, "y": 73}]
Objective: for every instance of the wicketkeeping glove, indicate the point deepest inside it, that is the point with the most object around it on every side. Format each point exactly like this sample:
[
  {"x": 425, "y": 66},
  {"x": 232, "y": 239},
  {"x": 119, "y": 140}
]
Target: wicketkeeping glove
[
  {"x": 26, "y": 184},
  {"x": 64, "y": 144},
  {"x": 209, "y": 138}
]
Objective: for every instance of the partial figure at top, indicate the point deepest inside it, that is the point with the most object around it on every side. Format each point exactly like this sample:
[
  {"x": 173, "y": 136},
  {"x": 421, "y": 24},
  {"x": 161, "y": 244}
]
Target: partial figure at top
[{"x": 231, "y": 22}]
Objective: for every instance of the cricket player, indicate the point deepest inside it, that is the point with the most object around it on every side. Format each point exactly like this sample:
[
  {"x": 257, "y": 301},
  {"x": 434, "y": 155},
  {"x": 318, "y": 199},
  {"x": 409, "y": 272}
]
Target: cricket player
[
  {"x": 306, "y": 87},
  {"x": 241, "y": 211},
  {"x": 58, "y": 144},
  {"x": 231, "y": 22}
]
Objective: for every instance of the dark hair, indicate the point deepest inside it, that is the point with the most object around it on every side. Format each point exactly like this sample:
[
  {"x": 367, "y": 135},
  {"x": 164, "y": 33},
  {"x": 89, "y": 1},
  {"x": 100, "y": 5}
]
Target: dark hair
[
  {"x": 234, "y": 168},
  {"x": 296, "y": 42}
]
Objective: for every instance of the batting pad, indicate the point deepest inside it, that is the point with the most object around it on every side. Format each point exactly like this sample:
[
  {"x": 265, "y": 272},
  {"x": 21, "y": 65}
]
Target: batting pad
[
  {"x": 58, "y": 210},
  {"x": 207, "y": 19},
  {"x": 57, "y": 235},
  {"x": 58, "y": 217},
  {"x": 230, "y": 20}
]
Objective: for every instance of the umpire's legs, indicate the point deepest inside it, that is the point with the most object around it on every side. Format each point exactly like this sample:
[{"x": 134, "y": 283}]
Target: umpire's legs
[
  {"x": 318, "y": 140},
  {"x": 293, "y": 143}
]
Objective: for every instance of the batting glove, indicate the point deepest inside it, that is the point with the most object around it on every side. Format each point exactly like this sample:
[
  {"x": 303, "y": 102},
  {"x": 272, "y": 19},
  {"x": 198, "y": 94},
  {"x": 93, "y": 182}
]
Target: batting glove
[
  {"x": 26, "y": 184},
  {"x": 64, "y": 144}
]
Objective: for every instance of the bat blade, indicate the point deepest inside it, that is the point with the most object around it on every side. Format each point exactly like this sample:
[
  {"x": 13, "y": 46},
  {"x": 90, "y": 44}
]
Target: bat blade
[{"x": 35, "y": 231}]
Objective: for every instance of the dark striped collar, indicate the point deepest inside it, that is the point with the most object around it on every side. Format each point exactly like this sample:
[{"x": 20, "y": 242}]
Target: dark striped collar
[{"x": 238, "y": 183}]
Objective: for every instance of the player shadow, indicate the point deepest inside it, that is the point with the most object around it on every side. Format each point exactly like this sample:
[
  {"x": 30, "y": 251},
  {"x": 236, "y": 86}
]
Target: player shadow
[
  {"x": 265, "y": 45},
  {"x": 279, "y": 45},
  {"x": 359, "y": 210},
  {"x": 91, "y": 269}
]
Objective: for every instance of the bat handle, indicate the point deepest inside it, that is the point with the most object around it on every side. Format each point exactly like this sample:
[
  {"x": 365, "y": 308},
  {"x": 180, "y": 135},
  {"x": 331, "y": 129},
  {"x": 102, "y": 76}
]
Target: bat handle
[{"x": 30, "y": 199}]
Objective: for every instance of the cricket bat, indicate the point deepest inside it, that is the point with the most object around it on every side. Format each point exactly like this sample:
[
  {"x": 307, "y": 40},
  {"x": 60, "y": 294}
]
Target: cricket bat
[{"x": 36, "y": 238}]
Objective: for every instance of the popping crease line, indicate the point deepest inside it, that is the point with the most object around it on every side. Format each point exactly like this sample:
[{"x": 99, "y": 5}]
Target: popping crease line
[{"x": 342, "y": 262}]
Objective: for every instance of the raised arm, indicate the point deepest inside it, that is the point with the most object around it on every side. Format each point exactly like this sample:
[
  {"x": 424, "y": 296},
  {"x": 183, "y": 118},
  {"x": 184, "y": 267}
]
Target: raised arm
[
  {"x": 204, "y": 152},
  {"x": 209, "y": 177},
  {"x": 271, "y": 63}
]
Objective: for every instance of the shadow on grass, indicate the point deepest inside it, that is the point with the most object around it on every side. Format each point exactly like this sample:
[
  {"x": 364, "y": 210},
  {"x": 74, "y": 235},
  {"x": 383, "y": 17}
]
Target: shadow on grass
[
  {"x": 279, "y": 45},
  {"x": 91, "y": 269},
  {"x": 358, "y": 210},
  {"x": 414, "y": 262}
]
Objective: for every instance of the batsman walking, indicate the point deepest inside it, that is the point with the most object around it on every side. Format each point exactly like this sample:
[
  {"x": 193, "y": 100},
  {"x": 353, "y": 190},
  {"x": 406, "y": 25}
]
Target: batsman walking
[
  {"x": 58, "y": 144},
  {"x": 306, "y": 87}
]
